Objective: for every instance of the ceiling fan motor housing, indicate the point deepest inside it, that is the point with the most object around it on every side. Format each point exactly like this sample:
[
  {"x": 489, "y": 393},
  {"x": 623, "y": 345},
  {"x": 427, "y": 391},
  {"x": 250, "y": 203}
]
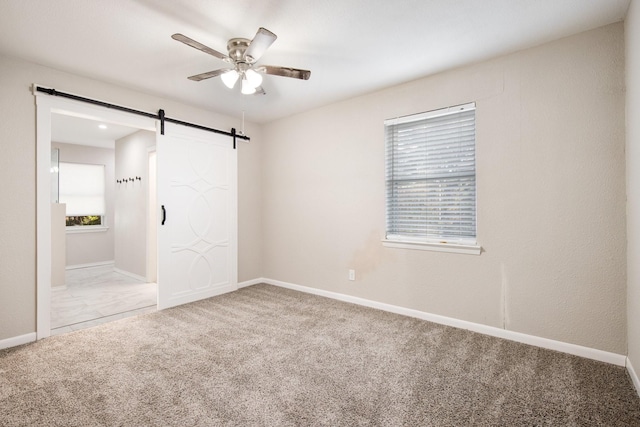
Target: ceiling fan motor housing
[{"x": 237, "y": 47}]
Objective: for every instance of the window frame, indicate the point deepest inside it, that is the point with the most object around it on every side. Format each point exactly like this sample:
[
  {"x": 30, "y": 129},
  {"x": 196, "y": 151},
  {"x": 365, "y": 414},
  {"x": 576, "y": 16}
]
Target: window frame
[
  {"x": 79, "y": 228},
  {"x": 466, "y": 245},
  {"x": 98, "y": 228}
]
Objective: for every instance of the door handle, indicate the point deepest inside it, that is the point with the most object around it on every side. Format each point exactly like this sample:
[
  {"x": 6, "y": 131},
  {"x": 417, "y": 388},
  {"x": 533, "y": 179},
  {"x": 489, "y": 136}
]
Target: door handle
[{"x": 164, "y": 214}]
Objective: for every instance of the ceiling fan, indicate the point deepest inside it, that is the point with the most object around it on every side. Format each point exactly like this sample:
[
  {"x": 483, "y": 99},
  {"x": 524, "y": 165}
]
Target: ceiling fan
[{"x": 242, "y": 56}]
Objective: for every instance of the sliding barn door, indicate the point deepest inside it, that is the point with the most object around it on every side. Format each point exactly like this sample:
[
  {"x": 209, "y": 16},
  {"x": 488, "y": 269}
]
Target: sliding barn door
[{"x": 197, "y": 217}]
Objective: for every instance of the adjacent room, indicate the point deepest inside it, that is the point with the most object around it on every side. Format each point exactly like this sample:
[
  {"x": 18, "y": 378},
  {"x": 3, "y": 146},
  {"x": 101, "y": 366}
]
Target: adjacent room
[
  {"x": 103, "y": 256},
  {"x": 328, "y": 213}
]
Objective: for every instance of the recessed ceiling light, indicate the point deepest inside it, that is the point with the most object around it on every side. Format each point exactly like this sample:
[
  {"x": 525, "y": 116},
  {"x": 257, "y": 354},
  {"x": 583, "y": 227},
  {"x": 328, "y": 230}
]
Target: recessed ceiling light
[{"x": 102, "y": 126}]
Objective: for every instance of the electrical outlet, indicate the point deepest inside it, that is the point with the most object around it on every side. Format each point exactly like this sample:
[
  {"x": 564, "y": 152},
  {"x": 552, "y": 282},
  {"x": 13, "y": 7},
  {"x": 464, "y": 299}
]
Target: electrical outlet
[{"x": 352, "y": 275}]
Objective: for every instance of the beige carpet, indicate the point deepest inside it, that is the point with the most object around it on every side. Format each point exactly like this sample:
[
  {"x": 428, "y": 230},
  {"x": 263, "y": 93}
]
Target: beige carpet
[{"x": 265, "y": 356}]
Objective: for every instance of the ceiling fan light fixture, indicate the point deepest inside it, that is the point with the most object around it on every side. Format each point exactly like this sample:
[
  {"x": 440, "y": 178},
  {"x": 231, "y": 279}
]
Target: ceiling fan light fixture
[
  {"x": 230, "y": 78},
  {"x": 243, "y": 55},
  {"x": 255, "y": 79},
  {"x": 247, "y": 88}
]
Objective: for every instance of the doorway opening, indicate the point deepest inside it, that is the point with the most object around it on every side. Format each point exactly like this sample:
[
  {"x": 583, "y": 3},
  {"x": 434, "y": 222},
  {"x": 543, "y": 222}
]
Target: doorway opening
[
  {"x": 101, "y": 272},
  {"x": 121, "y": 264}
]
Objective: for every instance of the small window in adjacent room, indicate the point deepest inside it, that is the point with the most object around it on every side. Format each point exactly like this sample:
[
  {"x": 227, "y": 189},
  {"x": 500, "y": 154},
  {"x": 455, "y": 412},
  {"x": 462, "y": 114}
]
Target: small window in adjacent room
[
  {"x": 431, "y": 180},
  {"x": 82, "y": 189}
]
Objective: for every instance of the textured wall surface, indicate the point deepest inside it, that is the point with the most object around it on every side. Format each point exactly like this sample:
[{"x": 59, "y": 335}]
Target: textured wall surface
[
  {"x": 632, "y": 44},
  {"x": 130, "y": 225},
  {"x": 18, "y": 164},
  {"x": 551, "y": 196}
]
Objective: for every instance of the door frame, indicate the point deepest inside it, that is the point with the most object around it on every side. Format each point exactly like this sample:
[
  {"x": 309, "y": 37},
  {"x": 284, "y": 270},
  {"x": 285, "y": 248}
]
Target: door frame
[{"x": 47, "y": 105}]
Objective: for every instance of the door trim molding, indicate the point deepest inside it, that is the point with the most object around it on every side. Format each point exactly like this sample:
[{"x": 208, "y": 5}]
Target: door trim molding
[{"x": 46, "y": 106}]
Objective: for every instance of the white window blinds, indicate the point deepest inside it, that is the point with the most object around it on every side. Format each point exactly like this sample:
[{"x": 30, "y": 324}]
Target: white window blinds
[
  {"x": 431, "y": 176},
  {"x": 82, "y": 188}
]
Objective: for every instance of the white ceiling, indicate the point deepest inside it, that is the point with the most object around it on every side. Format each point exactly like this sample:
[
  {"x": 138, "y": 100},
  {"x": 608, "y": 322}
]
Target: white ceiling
[
  {"x": 76, "y": 130},
  {"x": 351, "y": 46}
]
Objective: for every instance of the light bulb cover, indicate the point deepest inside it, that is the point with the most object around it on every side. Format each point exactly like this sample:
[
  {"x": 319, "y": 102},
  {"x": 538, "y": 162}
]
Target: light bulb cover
[
  {"x": 230, "y": 78},
  {"x": 247, "y": 88},
  {"x": 255, "y": 79}
]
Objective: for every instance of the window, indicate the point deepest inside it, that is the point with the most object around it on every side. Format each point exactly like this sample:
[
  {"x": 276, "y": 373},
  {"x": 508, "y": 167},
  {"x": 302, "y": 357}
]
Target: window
[
  {"x": 431, "y": 178},
  {"x": 82, "y": 188}
]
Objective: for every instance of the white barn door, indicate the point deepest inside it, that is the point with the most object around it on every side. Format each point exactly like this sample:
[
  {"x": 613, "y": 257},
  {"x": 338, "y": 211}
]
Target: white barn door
[{"x": 197, "y": 217}]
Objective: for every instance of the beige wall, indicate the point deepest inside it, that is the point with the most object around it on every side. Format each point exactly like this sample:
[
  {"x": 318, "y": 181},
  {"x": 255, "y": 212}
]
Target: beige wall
[
  {"x": 632, "y": 39},
  {"x": 551, "y": 193},
  {"x": 132, "y": 160},
  {"x": 18, "y": 162},
  {"x": 89, "y": 248},
  {"x": 551, "y": 196}
]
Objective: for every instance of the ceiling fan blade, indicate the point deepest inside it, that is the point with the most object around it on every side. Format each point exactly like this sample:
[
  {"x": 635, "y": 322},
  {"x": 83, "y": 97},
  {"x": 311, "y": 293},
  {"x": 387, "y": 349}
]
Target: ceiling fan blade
[
  {"x": 197, "y": 45},
  {"x": 208, "y": 74},
  {"x": 260, "y": 91},
  {"x": 284, "y": 72},
  {"x": 258, "y": 46}
]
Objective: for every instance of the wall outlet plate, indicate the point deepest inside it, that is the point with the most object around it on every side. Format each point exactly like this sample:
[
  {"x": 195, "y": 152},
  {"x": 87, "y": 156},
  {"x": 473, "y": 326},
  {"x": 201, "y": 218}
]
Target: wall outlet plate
[{"x": 352, "y": 275}]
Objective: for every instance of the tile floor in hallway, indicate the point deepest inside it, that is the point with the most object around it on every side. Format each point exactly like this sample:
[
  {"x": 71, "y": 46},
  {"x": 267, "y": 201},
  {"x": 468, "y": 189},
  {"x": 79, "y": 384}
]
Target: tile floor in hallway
[{"x": 96, "y": 295}]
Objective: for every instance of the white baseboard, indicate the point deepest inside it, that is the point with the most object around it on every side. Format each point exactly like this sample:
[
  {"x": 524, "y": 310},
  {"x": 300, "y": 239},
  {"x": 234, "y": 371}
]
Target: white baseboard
[
  {"x": 250, "y": 283},
  {"x": 19, "y": 340},
  {"x": 129, "y": 274},
  {"x": 574, "y": 349},
  {"x": 88, "y": 265},
  {"x": 633, "y": 375}
]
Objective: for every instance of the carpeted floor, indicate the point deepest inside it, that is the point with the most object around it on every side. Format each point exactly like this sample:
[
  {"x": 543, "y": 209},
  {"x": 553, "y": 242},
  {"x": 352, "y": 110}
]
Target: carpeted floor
[{"x": 266, "y": 356}]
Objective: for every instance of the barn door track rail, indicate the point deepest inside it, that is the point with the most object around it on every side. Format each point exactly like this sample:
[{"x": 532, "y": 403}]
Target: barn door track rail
[{"x": 159, "y": 116}]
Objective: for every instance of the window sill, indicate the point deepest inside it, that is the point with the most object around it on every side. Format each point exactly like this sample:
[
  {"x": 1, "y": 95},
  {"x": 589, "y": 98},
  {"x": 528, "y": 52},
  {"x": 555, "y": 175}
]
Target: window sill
[
  {"x": 75, "y": 229},
  {"x": 437, "y": 247}
]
